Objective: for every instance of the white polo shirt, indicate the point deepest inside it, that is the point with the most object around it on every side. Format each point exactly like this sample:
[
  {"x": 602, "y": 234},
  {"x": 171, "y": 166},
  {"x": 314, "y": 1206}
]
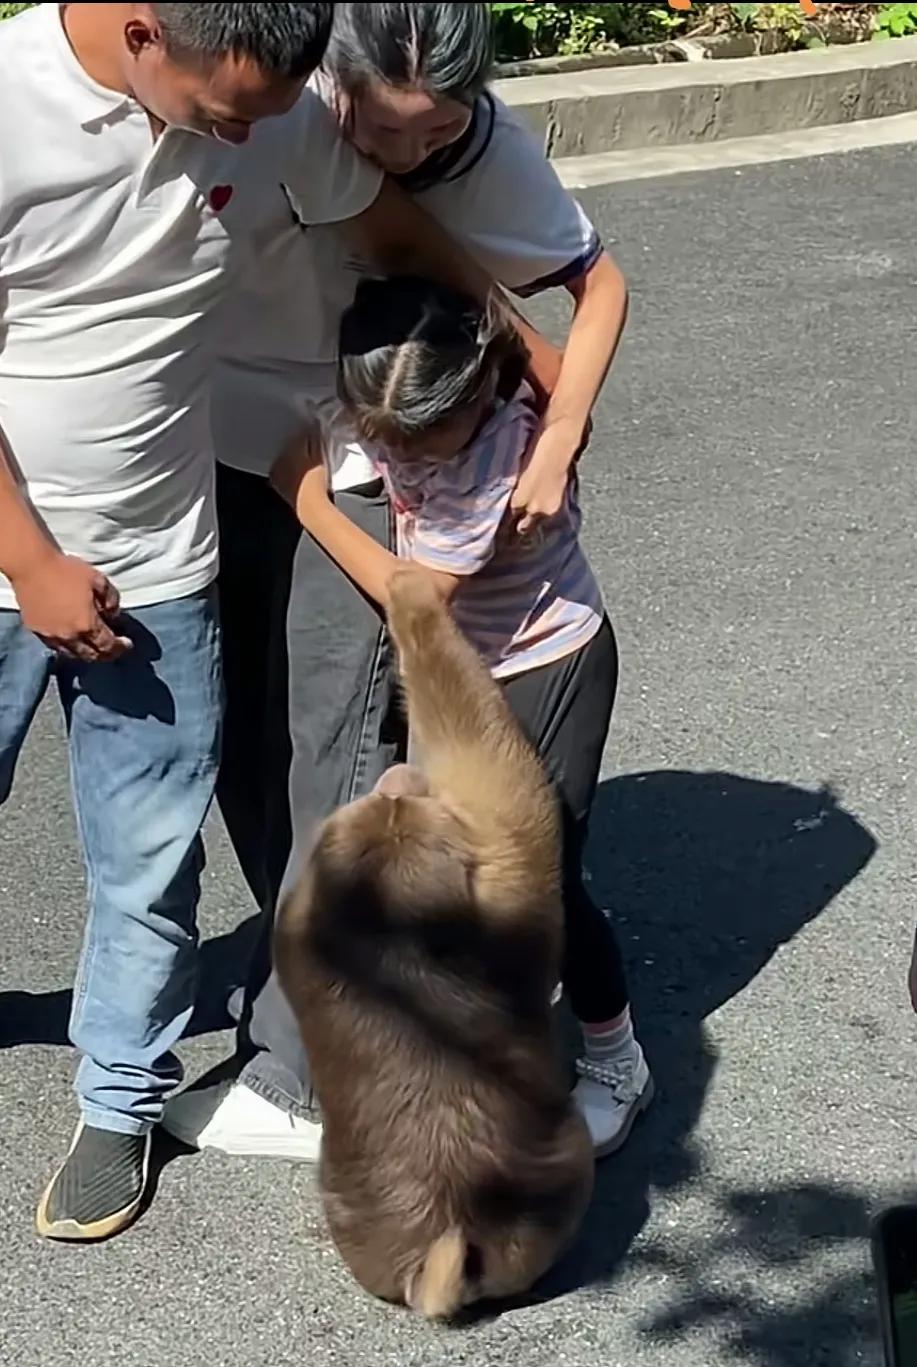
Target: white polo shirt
[
  {"x": 500, "y": 198},
  {"x": 115, "y": 256}
]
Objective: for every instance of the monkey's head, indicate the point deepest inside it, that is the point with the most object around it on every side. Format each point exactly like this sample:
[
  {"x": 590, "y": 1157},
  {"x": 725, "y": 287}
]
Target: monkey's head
[
  {"x": 403, "y": 780},
  {"x": 400, "y": 850}
]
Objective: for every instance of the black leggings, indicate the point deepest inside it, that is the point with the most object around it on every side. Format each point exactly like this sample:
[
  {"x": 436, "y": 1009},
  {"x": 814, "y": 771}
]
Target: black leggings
[{"x": 565, "y": 710}]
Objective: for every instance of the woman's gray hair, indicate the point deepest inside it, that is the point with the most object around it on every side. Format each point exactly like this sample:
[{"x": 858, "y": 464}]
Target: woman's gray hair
[
  {"x": 445, "y": 48},
  {"x": 414, "y": 353}
]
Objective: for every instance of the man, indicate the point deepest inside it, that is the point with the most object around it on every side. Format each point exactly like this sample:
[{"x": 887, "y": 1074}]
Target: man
[{"x": 119, "y": 228}]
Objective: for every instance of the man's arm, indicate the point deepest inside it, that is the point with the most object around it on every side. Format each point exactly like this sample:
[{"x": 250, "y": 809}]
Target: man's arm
[
  {"x": 22, "y": 542},
  {"x": 62, "y": 600},
  {"x": 400, "y": 237}
]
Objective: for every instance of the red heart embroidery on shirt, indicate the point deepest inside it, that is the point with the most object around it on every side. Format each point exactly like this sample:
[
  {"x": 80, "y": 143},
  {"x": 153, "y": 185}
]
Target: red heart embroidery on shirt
[{"x": 220, "y": 196}]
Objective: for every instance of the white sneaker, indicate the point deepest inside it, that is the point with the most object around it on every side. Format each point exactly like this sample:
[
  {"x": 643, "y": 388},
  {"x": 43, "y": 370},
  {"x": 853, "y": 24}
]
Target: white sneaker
[
  {"x": 610, "y": 1096},
  {"x": 233, "y": 1119}
]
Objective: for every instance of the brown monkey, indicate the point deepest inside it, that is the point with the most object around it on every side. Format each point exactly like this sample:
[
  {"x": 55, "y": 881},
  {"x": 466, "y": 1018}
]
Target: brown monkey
[{"x": 419, "y": 953}]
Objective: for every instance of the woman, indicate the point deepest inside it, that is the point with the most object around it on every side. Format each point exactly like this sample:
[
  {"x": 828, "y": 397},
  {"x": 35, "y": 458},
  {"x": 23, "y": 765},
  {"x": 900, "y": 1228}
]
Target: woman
[{"x": 408, "y": 82}]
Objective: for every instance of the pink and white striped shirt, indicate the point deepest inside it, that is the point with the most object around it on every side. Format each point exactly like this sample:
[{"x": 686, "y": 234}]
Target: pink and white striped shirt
[{"x": 524, "y": 601}]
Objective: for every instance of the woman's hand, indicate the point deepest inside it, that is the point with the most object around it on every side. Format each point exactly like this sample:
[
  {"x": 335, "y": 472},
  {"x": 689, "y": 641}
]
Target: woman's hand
[{"x": 542, "y": 486}]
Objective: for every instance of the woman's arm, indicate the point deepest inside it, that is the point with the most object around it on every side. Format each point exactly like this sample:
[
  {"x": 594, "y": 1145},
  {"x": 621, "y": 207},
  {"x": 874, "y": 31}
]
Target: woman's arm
[
  {"x": 600, "y": 297},
  {"x": 399, "y": 236}
]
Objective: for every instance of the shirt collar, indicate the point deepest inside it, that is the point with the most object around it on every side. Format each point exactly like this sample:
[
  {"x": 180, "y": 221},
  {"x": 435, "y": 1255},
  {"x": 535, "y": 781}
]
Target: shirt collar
[{"x": 90, "y": 100}]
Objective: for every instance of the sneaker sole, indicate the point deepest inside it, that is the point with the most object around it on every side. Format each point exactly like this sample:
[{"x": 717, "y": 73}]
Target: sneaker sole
[
  {"x": 643, "y": 1103},
  {"x": 264, "y": 1146},
  {"x": 72, "y": 1231}
]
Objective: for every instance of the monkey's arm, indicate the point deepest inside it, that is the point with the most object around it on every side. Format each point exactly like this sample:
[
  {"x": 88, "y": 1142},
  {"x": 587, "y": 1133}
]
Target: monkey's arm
[{"x": 472, "y": 749}]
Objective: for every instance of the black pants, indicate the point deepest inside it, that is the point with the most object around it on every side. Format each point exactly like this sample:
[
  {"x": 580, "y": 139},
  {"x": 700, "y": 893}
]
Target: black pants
[
  {"x": 258, "y": 539},
  {"x": 565, "y": 710},
  {"x": 259, "y": 535},
  {"x": 313, "y": 720}
]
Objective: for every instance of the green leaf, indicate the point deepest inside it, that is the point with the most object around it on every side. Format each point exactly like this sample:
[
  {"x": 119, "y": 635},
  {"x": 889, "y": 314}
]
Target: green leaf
[{"x": 744, "y": 13}]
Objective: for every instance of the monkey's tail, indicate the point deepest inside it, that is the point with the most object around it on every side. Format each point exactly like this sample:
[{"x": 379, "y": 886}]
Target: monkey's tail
[{"x": 437, "y": 1290}]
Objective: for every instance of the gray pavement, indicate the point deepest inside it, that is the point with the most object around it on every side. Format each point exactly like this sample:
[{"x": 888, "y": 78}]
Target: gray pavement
[{"x": 751, "y": 503}]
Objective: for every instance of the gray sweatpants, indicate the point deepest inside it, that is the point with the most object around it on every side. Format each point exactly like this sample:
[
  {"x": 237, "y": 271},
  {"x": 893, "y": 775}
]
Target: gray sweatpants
[{"x": 345, "y": 726}]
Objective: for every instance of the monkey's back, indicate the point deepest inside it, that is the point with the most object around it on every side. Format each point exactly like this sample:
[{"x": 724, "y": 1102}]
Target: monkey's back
[{"x": 443, "y": 1108}]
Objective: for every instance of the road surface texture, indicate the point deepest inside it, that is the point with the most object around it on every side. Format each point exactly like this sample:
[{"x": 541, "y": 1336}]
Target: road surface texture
[{"x": 750, "y": 493}]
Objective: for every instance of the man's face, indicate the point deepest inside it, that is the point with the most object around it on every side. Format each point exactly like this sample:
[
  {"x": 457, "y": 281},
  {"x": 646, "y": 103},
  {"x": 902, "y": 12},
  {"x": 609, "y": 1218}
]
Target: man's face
[{"x": 220, "y": 99}]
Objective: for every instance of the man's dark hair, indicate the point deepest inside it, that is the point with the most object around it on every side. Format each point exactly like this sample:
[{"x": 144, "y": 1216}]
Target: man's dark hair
[{"x": 284, "y": 40}]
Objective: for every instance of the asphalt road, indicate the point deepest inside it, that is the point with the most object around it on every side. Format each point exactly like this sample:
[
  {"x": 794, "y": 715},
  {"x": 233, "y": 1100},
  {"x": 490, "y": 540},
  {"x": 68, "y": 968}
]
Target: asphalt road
[{"x": 751, "y": 503}]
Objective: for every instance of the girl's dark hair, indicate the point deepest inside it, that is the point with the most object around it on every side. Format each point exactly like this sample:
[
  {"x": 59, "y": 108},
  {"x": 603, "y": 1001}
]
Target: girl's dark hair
[
  {"x": 413, "y": 354},
  {"x": 445, "y": 48}
]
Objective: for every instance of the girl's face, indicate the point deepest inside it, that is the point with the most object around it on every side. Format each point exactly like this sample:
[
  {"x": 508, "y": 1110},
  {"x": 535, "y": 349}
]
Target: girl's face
[
  {"x": 446, "y": 438},
  {"x": 400, "y": 128}
]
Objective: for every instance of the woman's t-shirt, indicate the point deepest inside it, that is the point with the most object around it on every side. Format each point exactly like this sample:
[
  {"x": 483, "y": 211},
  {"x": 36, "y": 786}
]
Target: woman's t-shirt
[
  {"x": 524, "y": 601},
  {"x": 496, "y": 194}
]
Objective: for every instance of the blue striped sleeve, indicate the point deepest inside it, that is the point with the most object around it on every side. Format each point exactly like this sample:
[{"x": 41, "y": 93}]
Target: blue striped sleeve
[{"x": 580, "y": 265}]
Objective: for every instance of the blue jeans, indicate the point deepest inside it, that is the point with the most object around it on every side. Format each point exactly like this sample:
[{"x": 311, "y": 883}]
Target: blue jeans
[{"x": 144, "y": 734}]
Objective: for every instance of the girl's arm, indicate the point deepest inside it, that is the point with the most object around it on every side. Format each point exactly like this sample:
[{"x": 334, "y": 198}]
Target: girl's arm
[
  {"x": 300, "y": 477},
  {"x": 600, "y": 296}
]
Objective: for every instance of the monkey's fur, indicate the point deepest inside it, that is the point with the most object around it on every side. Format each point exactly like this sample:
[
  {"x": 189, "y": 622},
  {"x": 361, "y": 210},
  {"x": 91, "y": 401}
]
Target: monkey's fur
[{"x": 419, "y": 953}]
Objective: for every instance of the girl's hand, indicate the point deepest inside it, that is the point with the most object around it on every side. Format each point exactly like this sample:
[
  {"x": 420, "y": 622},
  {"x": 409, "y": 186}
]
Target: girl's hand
[{"x": 542, "y": 486}]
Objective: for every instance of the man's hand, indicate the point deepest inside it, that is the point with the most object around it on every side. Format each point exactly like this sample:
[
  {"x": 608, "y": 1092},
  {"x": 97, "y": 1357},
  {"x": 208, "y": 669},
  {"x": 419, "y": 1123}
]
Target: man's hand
[
  {"x": 69, "y": 606},
  {"x": 542, "y": 486}
]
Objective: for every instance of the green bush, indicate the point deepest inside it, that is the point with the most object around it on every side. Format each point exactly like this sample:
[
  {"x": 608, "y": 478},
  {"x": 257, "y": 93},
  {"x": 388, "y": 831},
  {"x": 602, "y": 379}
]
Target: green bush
[
  {"x": 527, "y": 30},
  {"x": 7, "y": 11},
  {"x": 896, "y": 21},
  {"x": 533, "y": 30}
]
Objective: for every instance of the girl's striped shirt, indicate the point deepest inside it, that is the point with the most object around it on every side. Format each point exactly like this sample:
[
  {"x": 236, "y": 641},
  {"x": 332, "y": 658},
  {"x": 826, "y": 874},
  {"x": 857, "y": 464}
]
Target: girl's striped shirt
[{"x": 524, "y": 601}]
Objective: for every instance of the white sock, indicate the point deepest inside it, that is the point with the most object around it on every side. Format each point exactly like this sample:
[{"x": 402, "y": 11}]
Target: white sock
[{"x": 610, "y": 1041}]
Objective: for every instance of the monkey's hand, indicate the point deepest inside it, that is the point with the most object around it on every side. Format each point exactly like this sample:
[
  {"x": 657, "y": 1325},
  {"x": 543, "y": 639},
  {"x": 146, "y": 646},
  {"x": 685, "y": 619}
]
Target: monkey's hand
[{"x": 415, "y": 608}]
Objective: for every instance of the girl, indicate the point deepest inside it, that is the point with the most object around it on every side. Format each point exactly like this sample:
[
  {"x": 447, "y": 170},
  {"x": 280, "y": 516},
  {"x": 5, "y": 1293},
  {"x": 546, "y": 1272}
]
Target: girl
[
  {"x": 433, "y": 385},
  {"x": 312, "y": 717}
]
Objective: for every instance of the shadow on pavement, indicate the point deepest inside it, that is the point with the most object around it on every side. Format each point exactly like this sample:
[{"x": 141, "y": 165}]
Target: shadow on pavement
[
  {"x": 42, "y": 1017},
  {"x": 708, "y": 874},
  {"x": 734, "y": 1285}
]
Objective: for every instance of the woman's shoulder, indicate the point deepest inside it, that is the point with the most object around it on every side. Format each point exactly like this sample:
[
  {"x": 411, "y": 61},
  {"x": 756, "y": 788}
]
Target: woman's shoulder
[{"x": 497, "y": 146}]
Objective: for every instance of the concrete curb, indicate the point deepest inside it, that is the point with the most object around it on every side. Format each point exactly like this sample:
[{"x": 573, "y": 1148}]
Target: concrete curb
[{"x": 621, "y": 108}]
